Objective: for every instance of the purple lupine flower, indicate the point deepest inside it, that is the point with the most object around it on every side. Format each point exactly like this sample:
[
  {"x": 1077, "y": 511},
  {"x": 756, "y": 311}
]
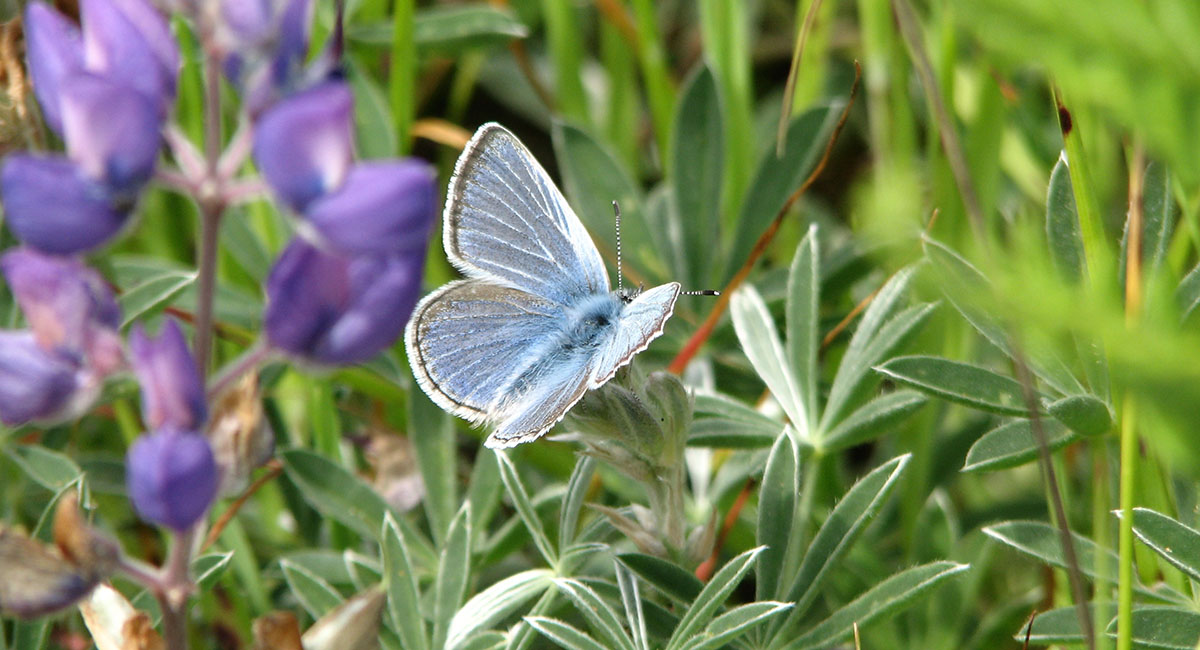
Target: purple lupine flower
[
  {"x": 172, "y": 390},
  {"x": 331, "y": 309},
  {"x": 68, "y": 306},
  {"x": 266, "y": 42},
  {"x": 35, "y": 385},
  {"x": 382, "y": 207},
  {"x": 171, "y": 477},
  {"x": 105, "y": 89},
  {"x": 304, "y": 145}
]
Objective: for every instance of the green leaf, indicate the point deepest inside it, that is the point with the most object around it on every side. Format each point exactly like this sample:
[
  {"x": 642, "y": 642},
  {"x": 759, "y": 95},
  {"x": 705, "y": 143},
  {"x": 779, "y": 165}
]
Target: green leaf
[
  {"x": 958, "y": 382},
  {"x": 489, "y": 640},
  {"x": 493, "y": 604},
  {"x": 30, "y": 635},
  {"x": 153, "y": 293},
  {"x": 1171, "y": 628},
  {"x": 432, "y": 433},
  {"x": 375, "y": 125},
  {"x": 520, "y": 499},
  {"x": 722, "y": 421},
  {"x": 562, "y": 634},
  {"x": 334, "y": 492},
  {"x": 600, "y": 616},
  {"x": 48, "y": 468},
  {"x": 803, "y": 323},
  {"x": 1188, "y": 293},
  {"x": 873, "y": 419},
  {"x": 315, "y": 595},
  {"x": 1177, "y": 543},
  {"x": 572, "y": 503},
  {"x": 1083, "y": 414},
  {"x": 594, "y": 178},
  {"x": 1012, "y": 444},
  {"x": 1159, "y": 217},
  {"x": 454, "y": 570},
  {"x": 895, "y": 593},
  {"x": 209, "y": 568},
  {"x": 776, "y": 178},
  {"x": 838, "y": 534},
  {"x": 1041, "y": 541},
  {"x": 734, "y": 623},
  {"x": 756, "y": 332},
  {"x": 448, "y": 30},
  {"x": 631, "y": 598},
  {"x": 1062, "y": 223},
  {"x": 711, "y": 597},
  {"x": 776, "y": 512},
  {"x": 483, "y": 491},
  {"x": 404, "y": 600},
  {"x": 883, "y": 329},
  {"x": 673, "y": 580},
  {"x": 244, "y": 244},
  {"x": 697, "y": 162}
]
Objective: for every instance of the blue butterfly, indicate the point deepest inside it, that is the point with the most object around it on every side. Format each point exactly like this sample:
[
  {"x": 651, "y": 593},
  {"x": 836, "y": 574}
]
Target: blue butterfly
[{"x": 534, "y": 325}]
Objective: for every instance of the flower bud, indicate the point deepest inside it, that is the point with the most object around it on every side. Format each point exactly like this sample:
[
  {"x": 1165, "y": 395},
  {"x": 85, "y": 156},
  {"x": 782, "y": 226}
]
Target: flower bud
[
  {"x": 382, "y": 207},
  {"x": 304, "y": 145},
  {"x": 35, "y": 385},
  {"x": 172, "y": 391},
  {"x": 171, "y": 477},
  {"x": 53, "y": 206},
  {"x": 55, "y": 49},
  {"x": 335, "y": 310}
]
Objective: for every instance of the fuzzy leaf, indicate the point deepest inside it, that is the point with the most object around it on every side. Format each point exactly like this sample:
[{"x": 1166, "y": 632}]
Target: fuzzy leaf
[
  {"x": 958, "y": 382},
  {"x": 1012, "y": 444}
]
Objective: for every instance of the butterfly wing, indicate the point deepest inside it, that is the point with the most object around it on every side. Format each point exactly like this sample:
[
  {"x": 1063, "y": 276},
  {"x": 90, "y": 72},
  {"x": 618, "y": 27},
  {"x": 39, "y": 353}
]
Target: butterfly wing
[
  {"x": 640, "y": 322},
  {"x": 468, "y": 340},
  {"x": 506, "y": 221},
  {"x": 546, "y": 393}
]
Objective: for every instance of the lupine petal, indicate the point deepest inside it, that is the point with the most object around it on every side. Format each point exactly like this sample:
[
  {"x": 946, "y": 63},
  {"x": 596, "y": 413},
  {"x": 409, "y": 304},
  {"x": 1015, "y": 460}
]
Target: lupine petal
[
  {"x": 111, "y": 130},
  {"x": 34, "y": 384},
  {"x": 115, "y": 47},
  {"x": 171, "y": 477},
  {"x": 52, "y": 206},
  {"x": 155, "y": 31},
  {"x": 54, "y": 49},
  {"x": 306, "y": 293},
  {"x": 384, "y": 294},
  {"x": 381, "y": 208},
  {"x": 172, "y": 391},
  {"x": 60, "y": 297},
  {"x": 304, "y": 145}
]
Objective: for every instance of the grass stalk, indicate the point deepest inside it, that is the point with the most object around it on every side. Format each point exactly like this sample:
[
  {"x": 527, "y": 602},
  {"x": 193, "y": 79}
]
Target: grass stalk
[
  {"x": 566, "y": 51},
  {"x": 402, "y": 80}
]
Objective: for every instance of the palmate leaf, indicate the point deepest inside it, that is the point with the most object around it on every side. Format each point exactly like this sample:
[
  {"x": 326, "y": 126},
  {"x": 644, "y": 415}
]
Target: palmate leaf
[
  {"x": 733, "y": 624},
  {"x": 602, "y": 618},
  {"x": 563, "y": 634},
  {"x": 895, "y": 593},
  {"x": 493, "y": 604},
  {"x": 837, "y": 535},
  {"x": 873, "y": 419},
  {"x": 721, "y": 421},
  {"x": 674, "y": 581},
  {"x": 711, "y": 597}
]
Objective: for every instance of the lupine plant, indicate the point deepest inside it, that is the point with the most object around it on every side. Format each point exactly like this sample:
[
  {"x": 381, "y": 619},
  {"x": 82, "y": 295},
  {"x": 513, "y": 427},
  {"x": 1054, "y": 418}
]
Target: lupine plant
[{"x": 947, "y": 397}]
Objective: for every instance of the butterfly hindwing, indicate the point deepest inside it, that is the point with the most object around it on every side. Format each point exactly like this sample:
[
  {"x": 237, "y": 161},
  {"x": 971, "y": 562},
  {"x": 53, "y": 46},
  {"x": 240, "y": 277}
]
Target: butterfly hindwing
[
  {"x": 506, "y": 220},
  {"x": 467, "y": 340}
]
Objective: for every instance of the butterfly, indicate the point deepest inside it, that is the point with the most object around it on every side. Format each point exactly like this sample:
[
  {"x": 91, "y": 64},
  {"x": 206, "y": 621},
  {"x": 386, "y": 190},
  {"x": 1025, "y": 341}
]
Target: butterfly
[{"x": 535, "y": 324}]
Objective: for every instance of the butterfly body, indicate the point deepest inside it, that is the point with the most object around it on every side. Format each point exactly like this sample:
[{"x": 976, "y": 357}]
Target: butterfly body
[{"x": 534, "y": 325}]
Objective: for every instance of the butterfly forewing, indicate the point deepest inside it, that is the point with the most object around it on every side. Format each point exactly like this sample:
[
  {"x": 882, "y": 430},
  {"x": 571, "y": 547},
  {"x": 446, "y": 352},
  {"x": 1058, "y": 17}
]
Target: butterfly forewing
[
  {"x": 507, "y": 221},
  {"x": 469, "y": 339}
]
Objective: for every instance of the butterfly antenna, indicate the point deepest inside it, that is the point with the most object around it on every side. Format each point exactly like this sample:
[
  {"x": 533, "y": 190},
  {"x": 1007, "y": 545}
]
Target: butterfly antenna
[
  {"x": 617, "y": 212},
  {"x": 702, "y": 292}
]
